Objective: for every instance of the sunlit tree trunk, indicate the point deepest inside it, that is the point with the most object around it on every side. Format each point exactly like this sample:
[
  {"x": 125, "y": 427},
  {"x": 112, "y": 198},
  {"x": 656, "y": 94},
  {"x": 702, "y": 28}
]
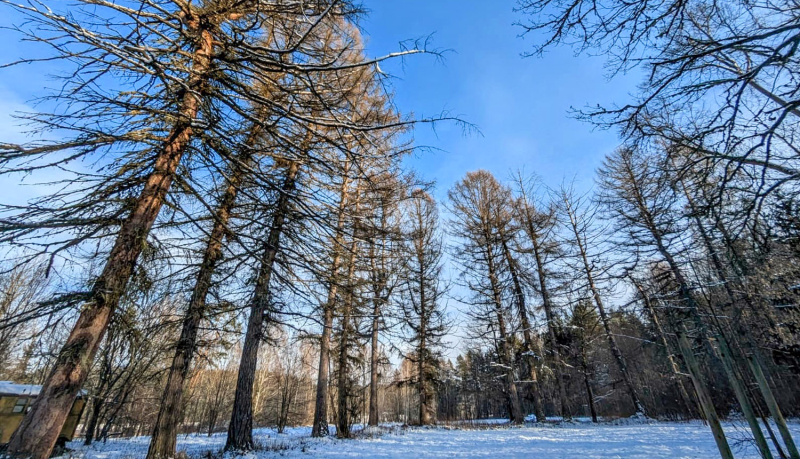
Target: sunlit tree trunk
[
  {"x": 165, "y": 432},
  {"x": 37, "y": 434},
  {"x": 240, "y": 429}
]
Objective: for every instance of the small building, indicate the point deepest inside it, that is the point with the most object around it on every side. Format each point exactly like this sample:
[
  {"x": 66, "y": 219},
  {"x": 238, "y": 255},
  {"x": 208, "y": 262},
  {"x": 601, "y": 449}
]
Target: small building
[{"x": 16, "y": 400}]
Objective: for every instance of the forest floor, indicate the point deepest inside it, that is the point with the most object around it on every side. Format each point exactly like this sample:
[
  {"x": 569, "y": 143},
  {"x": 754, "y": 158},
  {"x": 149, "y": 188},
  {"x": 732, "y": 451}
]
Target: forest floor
[{"x": 650, "y": 440}]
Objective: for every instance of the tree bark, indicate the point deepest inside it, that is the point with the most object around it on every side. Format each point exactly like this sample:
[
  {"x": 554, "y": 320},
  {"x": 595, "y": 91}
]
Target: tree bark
[
  {"x": 170, "y": 413},
  {"x": 566, "y": 412},
  {"x": 379, "y": 298},
  {"x": 319, "y": 427},
  {"x": 522, "y": 309},
  {"x": 240, "y": 429},
  {"x": 36, "y": 436},
  {"x": 676, "y": 374},
  {"x": 94, "y": 418},
  {"x": 373, "y": 366},
  {"x": 342, "y": 386},
  {"x": 588, "y": 384},
  {"x": 703, "y": 396},
  {"x": 426, "y": 409}
]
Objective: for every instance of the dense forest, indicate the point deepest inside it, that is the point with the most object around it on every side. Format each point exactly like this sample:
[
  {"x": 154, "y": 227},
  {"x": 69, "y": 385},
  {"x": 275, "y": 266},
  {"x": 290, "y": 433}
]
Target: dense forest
[{"x": 230, "y": 236}]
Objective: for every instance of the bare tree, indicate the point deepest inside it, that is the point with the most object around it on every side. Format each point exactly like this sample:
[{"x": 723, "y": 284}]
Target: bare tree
[
  {"x": 584, "y": 236},
  {"x": 474, "y": 203},
  {"x": 422, "y": 287}
]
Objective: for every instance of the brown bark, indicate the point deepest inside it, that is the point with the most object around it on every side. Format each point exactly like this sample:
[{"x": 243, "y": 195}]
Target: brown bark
[
  {"x": 37, "y": 434},
  {"x": 240, "y": 429},
  {"x": 165, "y": 431}
]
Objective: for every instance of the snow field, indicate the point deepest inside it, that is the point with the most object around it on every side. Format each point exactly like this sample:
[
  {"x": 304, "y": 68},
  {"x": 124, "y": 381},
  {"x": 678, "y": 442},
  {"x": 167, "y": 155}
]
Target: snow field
[{"x": 575, "y": 440}]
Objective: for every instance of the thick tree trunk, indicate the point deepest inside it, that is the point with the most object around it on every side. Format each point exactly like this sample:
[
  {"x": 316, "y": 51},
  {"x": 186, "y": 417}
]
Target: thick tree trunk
[
  {"x": 320, "y": 425},
  {"x": 342, "y": 383},
  {"x": 36, "y": 436},
  {"x": 165, "y": 431},
  {"x": 240, "y": 429}
]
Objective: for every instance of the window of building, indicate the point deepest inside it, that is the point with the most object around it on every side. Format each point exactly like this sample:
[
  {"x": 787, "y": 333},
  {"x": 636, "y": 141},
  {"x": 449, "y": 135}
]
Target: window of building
[{"x": 19, "y": 407}]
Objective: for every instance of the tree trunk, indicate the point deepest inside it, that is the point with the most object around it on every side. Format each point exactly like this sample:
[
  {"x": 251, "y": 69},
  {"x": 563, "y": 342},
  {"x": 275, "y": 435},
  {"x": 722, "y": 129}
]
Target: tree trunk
[
  {"x": 522, "y": 309},
  {"x": 612, "y": 342},
  {"x": 240, "y": 429},
  {"x": 744, "y": 402},
  {"x": 342, "y": 385},
  {"x": 36, "y": 436},
  {"x": 703, "y": 396},
  {"x": 379, "y": 298},
  {"x": 676, "y": 374},
  {"x": 319, "y": 427},
  {"x": 548, "y": 311},
  {"x": 772, "y": 404},
  {"x": 373, "y": 365},
  {"x": 753, "y": 359},
  {"x": 426, "y": 408},
  {"x": 165, "y": 431},
  {"x": 685, "y": 292},
  {"x": 94, "y": 418},
  {"x": 507, "y": 360},
  {"x": 587, "y": 383}
]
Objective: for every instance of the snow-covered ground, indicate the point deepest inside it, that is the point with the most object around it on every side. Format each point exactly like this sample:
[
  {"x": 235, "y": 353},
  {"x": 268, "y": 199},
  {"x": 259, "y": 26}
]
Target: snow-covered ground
[{"x": 653, "y": 440}]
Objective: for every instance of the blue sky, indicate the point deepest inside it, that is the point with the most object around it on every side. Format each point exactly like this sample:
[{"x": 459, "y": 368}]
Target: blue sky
[{"x": 519, "y": 104}]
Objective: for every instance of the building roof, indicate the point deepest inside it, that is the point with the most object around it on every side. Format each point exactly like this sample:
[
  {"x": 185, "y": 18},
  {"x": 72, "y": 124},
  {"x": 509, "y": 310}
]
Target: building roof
[{"x": 26, "y": 390}]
